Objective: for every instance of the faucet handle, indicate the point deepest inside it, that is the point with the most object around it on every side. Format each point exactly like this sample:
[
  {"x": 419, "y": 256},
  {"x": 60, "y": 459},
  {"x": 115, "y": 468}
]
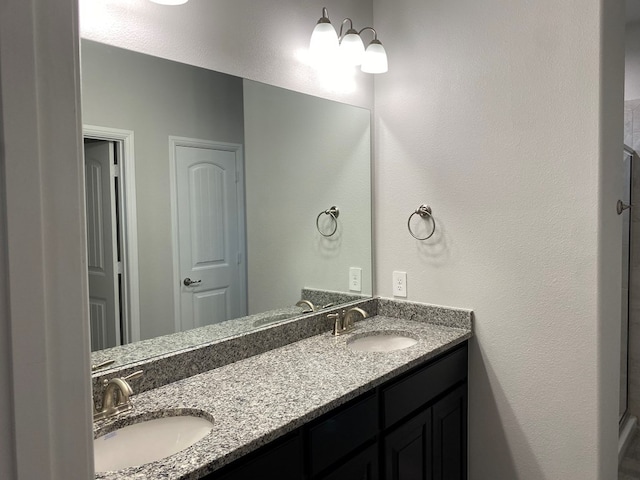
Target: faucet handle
[
  {"x": 131, "y": 376},
  {"x": 101, "y": 365},
  {"x": 134, "y": 375},
  {"x": 338, "y": 322}
]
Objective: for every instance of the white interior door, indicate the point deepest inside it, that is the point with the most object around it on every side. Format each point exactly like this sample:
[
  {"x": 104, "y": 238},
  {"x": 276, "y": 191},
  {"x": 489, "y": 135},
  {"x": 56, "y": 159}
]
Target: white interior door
[
  {"x": 210, "y": 249},
  {"x": 101, "y": 244}
]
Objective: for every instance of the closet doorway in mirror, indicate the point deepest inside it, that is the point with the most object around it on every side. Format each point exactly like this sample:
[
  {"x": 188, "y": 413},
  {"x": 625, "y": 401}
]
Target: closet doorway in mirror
[{"x": 112, "y": 265}]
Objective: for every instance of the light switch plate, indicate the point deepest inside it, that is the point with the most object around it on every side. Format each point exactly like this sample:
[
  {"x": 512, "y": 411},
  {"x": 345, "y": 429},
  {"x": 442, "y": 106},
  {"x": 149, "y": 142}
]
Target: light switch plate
[
  {"x": 399, "y": 284},
  {"x": 355, "y": 279}
]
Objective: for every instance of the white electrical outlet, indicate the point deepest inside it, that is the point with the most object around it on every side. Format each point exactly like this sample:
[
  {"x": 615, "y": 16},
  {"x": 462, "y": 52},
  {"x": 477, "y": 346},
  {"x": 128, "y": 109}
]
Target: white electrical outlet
[
  {"x": 399, "y": 284},
  {"x": 355, "y": 279}
]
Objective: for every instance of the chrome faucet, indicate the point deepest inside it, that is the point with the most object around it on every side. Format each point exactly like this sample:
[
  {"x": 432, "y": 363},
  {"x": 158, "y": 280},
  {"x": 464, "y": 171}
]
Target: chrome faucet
[
  {"x": 344, "y": 320},
  {"x": 308, "y": 304},
  {"x": 115, "y": 398}
]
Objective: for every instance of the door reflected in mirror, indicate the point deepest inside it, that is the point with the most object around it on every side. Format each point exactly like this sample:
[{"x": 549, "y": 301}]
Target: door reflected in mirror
[
  {"x": 208, "y": 204},
  {"x": 103, "y": 261}
]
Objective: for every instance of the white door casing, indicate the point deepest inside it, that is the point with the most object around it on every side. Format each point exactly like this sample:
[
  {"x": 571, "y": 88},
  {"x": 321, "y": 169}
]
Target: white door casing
[
  {"x": 207, "y": 198},
  {"x": 101, "y": 245},
  {"x": 129, "y": 222}
]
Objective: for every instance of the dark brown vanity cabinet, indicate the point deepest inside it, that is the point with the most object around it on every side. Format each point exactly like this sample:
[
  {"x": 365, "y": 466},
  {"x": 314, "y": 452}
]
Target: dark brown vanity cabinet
[
  {"x": 281, "y": 460},
  {"x": 413, "y": 427}
]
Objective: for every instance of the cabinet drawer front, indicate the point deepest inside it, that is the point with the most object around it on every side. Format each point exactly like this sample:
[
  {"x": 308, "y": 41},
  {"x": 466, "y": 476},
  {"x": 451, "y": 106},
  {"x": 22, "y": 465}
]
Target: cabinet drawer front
[
  {"x": 283, "y": 461},
  {"x": 336, "y": 436},
  {"x": 420, "y": 387}
]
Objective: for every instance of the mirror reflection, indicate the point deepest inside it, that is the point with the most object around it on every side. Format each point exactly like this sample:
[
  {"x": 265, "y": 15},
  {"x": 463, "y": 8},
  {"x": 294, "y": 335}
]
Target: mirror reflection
[{"x": 209, "y": 199}]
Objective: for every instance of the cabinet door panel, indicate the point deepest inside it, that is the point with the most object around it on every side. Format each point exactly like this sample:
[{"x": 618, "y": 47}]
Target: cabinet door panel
[
  {"x": 450, "y": 436},
  {"x": 342, "y": 432},
  {"x": 407, "y": 450},
  {"x": 363, "y": 466}
]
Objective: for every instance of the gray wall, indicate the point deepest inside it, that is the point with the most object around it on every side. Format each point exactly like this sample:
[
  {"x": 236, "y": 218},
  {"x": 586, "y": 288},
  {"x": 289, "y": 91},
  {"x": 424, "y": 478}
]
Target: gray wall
[
  {"x": 7, "y": 452},
  {"x": 632, "y": 61},
  {"x": 156, "y": 98},
  {"x": 304, "y": 154}
]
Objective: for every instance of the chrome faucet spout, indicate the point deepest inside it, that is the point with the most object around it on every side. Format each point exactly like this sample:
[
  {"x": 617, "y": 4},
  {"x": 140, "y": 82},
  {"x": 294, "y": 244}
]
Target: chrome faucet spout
[
  {"x": 344, "y": 321},
  {"x": 116, "y": 397},
  {"x": 353, "y": 313},
  {"x": 308, "y": 304},
  {"x": 116, "y": 387}
]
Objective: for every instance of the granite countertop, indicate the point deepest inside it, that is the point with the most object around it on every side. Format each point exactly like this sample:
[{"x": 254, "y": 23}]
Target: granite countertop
[{"x": 258, "y": 399}]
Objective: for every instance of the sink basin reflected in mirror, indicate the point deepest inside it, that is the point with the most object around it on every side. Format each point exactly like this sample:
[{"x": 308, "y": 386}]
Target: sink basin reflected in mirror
[
  {"x": 148, "y": 441},
  {"x": 381, "y": 342}
]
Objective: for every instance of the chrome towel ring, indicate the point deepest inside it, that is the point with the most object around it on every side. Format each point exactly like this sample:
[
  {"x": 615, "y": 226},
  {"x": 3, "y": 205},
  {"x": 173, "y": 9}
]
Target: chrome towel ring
[
  {"x": 334, "y": 213},
  {"x": 423, "y": 211}
]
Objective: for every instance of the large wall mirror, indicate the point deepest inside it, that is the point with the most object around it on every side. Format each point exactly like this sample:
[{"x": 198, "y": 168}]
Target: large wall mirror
[{"x": 210, "y": 203}]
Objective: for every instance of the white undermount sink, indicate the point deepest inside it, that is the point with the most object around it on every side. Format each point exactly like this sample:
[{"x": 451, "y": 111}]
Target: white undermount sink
[
  {"x": 381, "y": 342},
  {"x": 148, "y": 441}
]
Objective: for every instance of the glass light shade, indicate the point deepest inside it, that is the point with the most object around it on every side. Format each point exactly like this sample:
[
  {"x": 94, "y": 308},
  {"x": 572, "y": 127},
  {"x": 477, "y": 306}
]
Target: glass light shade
[
  {"x": 375, "y": 58},
  {"x": 324, "y": 40},
  {"x": 352, "y": 48},
  {"x": 170, "y": 2}
]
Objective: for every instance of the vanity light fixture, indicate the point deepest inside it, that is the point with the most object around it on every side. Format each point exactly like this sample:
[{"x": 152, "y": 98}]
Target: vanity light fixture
[
  {"x": 170, "y": 2},
  {"x": 326, "y": 44},
  {"x": 375, "y": 56}
]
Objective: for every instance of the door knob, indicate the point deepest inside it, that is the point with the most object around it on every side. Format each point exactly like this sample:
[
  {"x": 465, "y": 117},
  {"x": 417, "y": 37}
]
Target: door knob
[
  {"x": 191, "y": 283},
  {"x": 621, "y": 207}
]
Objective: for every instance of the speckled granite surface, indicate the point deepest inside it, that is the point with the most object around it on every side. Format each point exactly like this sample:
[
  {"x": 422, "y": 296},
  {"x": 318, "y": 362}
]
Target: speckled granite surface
[
  {"x": 153, "y": 347},
  {"x": 325, "y": 297},
  {"x": 140, "y": 351},
  {"x": 424, "y": 312},
  {"x": 260, "y": 398},
  {"x": 182, "y": 363}
]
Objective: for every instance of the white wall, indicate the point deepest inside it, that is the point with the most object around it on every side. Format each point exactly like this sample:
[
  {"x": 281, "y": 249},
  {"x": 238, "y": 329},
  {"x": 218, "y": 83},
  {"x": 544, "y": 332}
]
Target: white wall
[
  {"x": 260, "y": 41},
  {"x": 303, "y": 155},
  {"x": 632, "y": 61},
  {"x": 495, "y": 114}
]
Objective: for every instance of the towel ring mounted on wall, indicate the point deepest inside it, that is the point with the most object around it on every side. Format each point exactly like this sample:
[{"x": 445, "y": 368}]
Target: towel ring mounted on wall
[
  {"x": 423, "y": 211},
  {"x": 334, "y": 213}
]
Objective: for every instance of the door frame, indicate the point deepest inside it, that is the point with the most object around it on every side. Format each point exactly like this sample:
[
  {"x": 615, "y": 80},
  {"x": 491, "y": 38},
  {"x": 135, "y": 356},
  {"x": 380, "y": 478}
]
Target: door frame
[
  {"x": 127, "y": 199},
  {"x": 174, "y": 143}
]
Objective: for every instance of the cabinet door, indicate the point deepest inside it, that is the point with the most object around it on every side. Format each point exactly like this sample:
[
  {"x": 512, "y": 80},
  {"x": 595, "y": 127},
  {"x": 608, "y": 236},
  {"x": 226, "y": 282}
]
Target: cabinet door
[
  {"x": 363, "y": 466},
  {"x": 282, "y": 462},
  {"x": 407, "y": 450},
  {"x": 341, "y": 432},
  {"x": 450, "y": 436}
]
